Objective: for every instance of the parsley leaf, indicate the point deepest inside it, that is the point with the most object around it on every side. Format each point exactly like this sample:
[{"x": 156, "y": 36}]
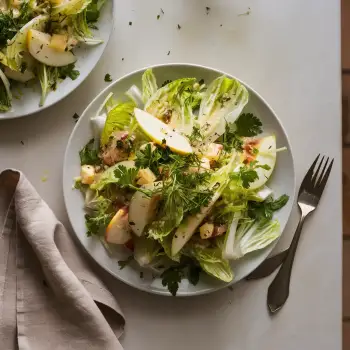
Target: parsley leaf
[
  {"x": 247, "y": 124},
  {"x": 148, "y": 158},
  {"x": 126, "y": 176},
  {"x": 108, "y": 78},
  {"x": 263, "y": 211},
  {"x": 171, "y": 279},
  {"x": 247, "y": 175},
  {"x": 68, "y": 71},
  {"x": 123, "y": 263},
  {"x": 89, "y": 155}
]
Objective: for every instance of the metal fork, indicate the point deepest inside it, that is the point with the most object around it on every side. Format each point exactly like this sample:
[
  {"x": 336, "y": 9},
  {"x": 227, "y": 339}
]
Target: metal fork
[{"x": 310, "y": 192}]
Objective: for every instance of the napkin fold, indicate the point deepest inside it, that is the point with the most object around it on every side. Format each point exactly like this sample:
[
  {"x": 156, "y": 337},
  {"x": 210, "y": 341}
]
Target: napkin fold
[{"x": 50, "y": 298}]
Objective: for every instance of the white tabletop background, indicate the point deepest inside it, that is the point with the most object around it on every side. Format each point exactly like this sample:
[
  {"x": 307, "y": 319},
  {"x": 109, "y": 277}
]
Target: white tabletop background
[{"x": 289, "y": 51}]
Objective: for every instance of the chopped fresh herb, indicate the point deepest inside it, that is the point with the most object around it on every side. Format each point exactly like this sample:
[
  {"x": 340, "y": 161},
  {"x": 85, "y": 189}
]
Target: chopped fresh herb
[
  {"x": 89, "y": 155},
  {"x": 108, "y": 78},
  {"x": 166, "y": 82},
  {"x": 158, "y": 16},
  {"x": 201, "y": 82},
  {"x": 207, "y": 9},
  {"x": 168, "y": 53},
  {"x": 263, "y": 211},
  {"x": 161, "y": 10},
  {"x": 126, "y": 176},
  {"x": 221, "y": 26},
  {"x": 76, "y": 116},
  {"x": 123, "y": 263},
  {"x": 247, "y": 175},
  {"x": 10, "y": 24},
  {"x": 247, "y": 13},
  {"x": 248, "y": 125},
  {"x": 68, "y": 71},
  {"x": 130, "y": 23},
  {"x": 22, "y": 143},
  {"x": 196, "y": 135},
  {"x": 123, "y": 59},
  {"x": 230, "y": 140},
  {"x": 178, "y": 27},
  {"x": 255, "y": 151},
  {"x": 171, "y": 279}
]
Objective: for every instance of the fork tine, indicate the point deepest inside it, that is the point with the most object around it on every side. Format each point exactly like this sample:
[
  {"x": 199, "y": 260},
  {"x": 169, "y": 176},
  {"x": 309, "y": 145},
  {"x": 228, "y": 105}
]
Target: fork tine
[
  {"x": 315, "y": 176},
  {"x": 322, "y": 173},
  {"x": 323, "y": 181},
  {"x": 307, "y": 178}
]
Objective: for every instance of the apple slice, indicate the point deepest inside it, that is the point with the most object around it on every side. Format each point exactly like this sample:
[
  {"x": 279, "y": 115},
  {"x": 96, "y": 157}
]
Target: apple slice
[
  {"x": 39, "y": 47},
  {"x": 266, "y": 155},
  {"x": 142, "y": 209},
  {"x": 118, "y": 230},
  {"x": 160, "y": 132}
]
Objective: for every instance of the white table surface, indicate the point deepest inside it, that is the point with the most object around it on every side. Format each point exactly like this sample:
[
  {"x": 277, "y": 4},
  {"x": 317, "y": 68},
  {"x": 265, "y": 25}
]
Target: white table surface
[{"x": 289, "y": 51}]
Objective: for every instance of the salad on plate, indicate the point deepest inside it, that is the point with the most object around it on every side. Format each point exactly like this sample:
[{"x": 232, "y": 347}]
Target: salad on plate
[
  {"x": 178, "y": 174},
  {"x": 37, "y": 41}
]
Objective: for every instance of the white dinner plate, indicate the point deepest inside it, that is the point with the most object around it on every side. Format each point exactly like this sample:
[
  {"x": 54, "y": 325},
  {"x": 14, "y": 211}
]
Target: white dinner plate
[
  {"x": 282, "y": 182},
  {"x": 26, "y": 99}
]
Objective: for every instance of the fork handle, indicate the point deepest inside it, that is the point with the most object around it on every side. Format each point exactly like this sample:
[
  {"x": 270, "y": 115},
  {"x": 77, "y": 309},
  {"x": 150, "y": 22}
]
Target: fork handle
[{"x": 279, "y": 288}]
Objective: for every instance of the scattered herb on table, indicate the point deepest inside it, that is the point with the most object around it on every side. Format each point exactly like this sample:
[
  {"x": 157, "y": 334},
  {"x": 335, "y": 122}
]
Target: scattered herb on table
[
  {"x": 207, "y": 10},
  {"x": 123, "y": 263},
  {"x": 178, "y": 27},
  {"x": 108, "y": 78}
]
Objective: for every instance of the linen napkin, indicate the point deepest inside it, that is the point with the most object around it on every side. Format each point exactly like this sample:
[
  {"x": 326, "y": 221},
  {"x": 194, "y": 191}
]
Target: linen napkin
[{"x": 50, "y": 297}]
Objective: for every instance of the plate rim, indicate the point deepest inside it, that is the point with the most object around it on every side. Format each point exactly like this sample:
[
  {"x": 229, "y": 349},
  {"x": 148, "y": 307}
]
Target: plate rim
[
  {"x": 6, "y": 115},
  {"x": 125, "y": 280}
]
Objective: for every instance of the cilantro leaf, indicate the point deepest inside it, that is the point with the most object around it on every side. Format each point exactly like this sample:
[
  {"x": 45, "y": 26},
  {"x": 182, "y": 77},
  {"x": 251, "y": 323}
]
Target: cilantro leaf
[
  {"x": 126, "y": 176},
  {"x": 171, "y": 279},
  {"x": 89, "y": 155},
  {"x": 123, "y": 263},
  {"x": 263, "y": 211},
  {"x": 247, "y": 124}
]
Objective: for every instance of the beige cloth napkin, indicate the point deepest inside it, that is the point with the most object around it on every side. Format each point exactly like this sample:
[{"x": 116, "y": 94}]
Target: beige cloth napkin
[{"x": 49, "y": 296}]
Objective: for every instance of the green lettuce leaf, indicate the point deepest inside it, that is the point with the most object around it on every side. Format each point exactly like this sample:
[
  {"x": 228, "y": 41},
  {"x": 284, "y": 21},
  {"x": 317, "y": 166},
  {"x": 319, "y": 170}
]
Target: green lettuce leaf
[
  {"x": 5, "y": 93},
  {"x": 251, "y": 236},
  {"x": 118, "y": 118},
  {"x": 172, "y": 104},
  {"x": 71, "y": 7},
  {"x": 222, "y": 103},
  {"x": 211, "y": 261},
  {"x": 149, "y": 85},
  {"x": 48, "y": 77},
  {"x": 145, "y": 250}
]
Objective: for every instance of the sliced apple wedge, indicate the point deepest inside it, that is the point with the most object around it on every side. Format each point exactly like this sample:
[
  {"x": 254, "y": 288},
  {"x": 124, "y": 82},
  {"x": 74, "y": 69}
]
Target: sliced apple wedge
[
  {"x": 39, "y": 47},
  {"x": 19, "y": 76},
  {"x": 266, "y": 155},
  {"x": 142, "y": 209},
  {"x": 160, "y": 132},
  {"x": 118, "y": 231}
]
